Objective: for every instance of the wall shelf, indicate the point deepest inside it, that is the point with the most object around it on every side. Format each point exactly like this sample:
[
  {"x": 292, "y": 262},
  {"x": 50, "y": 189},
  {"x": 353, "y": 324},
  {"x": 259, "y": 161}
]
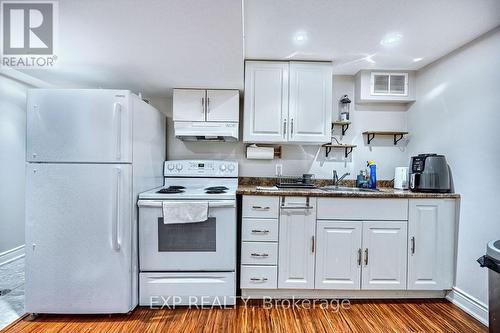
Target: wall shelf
[
  {"x": 344, "y": 124},
  {"x": 398, "y": 135},
  {"x": 329, "y": 146}
]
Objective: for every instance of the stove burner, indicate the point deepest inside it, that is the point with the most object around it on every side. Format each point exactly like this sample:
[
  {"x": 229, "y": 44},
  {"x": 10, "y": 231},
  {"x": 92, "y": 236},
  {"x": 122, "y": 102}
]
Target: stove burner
[
  {"x": 171, "y": 190},
  {"x": 215, "y": 191},
  {"x": 176, "y": 187},
  {"x": 216, "y": 188}
]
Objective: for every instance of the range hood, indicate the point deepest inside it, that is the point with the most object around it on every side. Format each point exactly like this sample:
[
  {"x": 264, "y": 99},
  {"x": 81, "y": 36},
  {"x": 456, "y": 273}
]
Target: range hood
[{"x": 206, "y": 131}]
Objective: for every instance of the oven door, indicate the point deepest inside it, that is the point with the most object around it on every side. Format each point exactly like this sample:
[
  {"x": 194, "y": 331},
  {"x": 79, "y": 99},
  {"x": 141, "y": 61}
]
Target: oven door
[{"x": 204, "y": 246}]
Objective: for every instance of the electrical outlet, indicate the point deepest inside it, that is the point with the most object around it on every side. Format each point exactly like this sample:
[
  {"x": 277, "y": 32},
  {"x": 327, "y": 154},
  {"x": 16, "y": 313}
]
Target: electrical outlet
[{"x": 279, "y": 170}]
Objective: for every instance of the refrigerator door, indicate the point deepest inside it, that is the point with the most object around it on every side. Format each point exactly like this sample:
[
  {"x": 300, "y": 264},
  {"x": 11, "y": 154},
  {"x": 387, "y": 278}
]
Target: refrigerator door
[
  {"x": 79, "y": 125},
  {"x": 79, "y": 238}
]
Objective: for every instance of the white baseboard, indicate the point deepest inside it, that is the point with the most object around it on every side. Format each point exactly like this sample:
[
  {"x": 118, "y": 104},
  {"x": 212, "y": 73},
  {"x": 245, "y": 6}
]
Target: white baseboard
[
  {"x": 469, "y": 304},
  {"x": 11, "y": 255}
]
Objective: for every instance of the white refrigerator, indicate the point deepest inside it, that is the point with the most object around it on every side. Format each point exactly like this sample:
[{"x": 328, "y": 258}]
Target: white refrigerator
[{"x": 89, "y": 153}]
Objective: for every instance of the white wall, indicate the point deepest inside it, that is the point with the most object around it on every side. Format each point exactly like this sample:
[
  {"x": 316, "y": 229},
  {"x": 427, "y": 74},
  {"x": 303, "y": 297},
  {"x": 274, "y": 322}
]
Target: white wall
[
  {"x": 457, "y": 113},
  {"x": 12, "y": 162},
  {"x": 310, "y": 159}
]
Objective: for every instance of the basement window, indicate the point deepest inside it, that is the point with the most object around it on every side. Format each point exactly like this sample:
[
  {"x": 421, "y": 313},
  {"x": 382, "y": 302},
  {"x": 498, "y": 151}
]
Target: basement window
[{"x": 389, "y": 84}]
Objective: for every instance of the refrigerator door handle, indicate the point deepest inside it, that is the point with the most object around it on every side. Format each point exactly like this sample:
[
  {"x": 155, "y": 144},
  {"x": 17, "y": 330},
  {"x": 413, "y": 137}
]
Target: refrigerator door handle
[
  {"x": 117, "y": 110},
  {"x": 116, "y": 218}
]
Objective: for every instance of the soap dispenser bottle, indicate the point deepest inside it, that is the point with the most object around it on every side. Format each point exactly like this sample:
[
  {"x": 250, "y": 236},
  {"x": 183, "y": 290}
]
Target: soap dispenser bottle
[{"x": 372, "y": 183}]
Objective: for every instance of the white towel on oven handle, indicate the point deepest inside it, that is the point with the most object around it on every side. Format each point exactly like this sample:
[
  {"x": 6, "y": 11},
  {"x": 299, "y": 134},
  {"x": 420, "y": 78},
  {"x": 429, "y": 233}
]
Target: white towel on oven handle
[{"x": 184, "y": 211}]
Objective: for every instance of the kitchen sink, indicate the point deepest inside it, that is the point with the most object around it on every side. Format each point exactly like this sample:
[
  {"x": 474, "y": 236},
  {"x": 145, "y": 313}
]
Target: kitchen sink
[{"x": 346, "y": 189}]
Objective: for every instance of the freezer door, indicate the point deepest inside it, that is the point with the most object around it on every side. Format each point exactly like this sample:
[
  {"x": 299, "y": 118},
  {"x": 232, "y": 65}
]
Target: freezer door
[
  {"x": 78, "y": 238},
  {"x": 79, "y": 125}
]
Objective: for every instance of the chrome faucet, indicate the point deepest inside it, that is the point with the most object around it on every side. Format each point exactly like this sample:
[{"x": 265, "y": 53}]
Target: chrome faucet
[{"x": 335, "y": 178}]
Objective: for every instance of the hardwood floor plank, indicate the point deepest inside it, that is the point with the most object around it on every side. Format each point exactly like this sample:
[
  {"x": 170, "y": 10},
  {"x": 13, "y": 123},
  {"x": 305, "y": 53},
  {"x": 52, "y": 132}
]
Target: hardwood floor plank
[{"x": 412, "y": 316}]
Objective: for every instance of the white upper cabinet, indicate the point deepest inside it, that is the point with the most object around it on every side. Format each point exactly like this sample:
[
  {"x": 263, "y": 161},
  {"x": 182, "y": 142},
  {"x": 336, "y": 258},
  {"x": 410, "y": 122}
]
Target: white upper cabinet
[
  {"x": 384, "y": 255},
  {"x": 310, "y": 104},
  {"x": 206, "y": 105},
  {"x": 189, "y": 105},
  {"x": 385, "y": 86},
  {"x": 266, "y": 101},
  {"x": 223, "y": 105},
  {"x": 431, "y": 242},
  {"x": 288, "y": 102}
]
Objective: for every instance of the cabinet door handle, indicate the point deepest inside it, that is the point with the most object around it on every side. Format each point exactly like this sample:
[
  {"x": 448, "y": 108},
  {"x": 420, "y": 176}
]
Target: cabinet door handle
[
  {"x": 284, "y": 128},
  {"x": 291, "y": 127},
  {"x": 259, "y": 255},
  {"x": 256, "y": 231},
  {"x": 413, "y": 245},
  {"x": 313, "y": 245},
  {"x": 208, "y": 104},
  {"x": 366, "y": 257},
  {"x": 359, "y": 256},
  {"x": 203, "y": 105},
  {"x": 261, "y": 208},
  {"x": 263, "y": 279}
]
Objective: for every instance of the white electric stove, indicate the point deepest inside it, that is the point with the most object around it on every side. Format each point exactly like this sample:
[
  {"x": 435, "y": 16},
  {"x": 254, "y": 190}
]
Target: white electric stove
[{"x": 189, "y": 263}]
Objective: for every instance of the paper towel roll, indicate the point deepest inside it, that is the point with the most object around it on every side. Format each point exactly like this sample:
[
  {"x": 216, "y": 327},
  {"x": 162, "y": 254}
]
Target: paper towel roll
[{"x": 260, "y": 153}]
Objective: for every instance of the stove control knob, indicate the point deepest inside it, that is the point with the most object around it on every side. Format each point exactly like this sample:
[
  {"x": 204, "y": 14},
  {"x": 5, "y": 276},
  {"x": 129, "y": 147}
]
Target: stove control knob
[
  {"x": 230, "y": 167},
  {"x": 222, "y": 167},
  {"x": 170, "y": 167},
  {"x": 178, "y": 166}
]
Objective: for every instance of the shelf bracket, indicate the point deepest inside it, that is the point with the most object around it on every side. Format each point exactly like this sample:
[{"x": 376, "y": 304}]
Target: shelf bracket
[
  {"x": 344, "y": 128},
  {"x": 371, "y": 136},
  {"x": 348, "y": 150},
  {"x": 396, "y": 140},
  {"x": 327, "y": 151}
]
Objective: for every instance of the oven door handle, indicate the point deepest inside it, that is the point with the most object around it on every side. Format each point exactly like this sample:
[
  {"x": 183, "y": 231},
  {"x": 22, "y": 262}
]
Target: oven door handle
[{"x": 211, "y": 204}]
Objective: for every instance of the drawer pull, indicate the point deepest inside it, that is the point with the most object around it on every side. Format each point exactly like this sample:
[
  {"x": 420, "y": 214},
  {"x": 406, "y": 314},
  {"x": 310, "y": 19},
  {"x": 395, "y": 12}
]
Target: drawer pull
[
  {"x": 261, "y": 208},
  {"x": 255, "y": 231},
  {"x": 258, "y": 279},
  {"x": 297, "y": 207},
  {"x": 259, "y": 255}
]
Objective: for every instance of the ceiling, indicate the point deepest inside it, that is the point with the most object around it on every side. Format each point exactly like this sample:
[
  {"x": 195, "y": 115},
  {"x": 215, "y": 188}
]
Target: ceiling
[{"x": 152, "y": 46}]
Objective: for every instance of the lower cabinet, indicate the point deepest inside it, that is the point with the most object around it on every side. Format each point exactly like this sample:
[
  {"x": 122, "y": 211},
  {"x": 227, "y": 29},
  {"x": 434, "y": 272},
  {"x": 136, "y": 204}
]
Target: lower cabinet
[
  {"x": 431, "y": 237},
  {"x": 310, "y": 247},
  {"x": 297, "y": 243},
  {"x": 384, "y": 255},
  {"x": 361, "y": 255},
  {"x": 338, "y": 256}
]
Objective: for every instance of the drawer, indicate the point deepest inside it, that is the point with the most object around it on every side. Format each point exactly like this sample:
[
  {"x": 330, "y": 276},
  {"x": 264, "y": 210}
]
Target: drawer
[
  {"x": 362, "y": 209},
  {"x": 260, "y": 206},
  {"x": 258, "y": 253},
  {"x": 194, "y": 288},
  {"x": 259, "y": 277},
  {"x": 259, "y": 230}
]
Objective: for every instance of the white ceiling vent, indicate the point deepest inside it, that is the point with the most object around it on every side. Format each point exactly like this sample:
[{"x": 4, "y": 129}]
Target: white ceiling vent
[{"x": 389, "y": 84}]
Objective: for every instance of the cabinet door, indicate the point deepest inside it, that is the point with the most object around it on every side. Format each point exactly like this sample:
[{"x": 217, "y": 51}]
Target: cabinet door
[
  {"x": 310, "y": 114},
  {"x": 296, "y": 244},
  {"x": 384, "y": 255},
  {"x": 431, "y": 237},
  {"x": 223, "y": 105},
  {"x": 189, "y": 105},
  {"x": 266, "y": 101},
  {"x": 338, "y": 256}
]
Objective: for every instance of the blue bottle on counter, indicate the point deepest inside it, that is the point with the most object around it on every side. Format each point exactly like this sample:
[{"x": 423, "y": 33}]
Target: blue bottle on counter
[{"x": 372, "y": 183}]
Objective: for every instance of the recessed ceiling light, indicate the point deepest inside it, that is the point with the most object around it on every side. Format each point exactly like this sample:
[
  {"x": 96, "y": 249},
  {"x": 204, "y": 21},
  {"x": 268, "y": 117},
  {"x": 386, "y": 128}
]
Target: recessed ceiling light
[
  {"x": 300, "y": 37},
  {"x": 391, "y": 39},
  {"x": 417, "y": 59}
]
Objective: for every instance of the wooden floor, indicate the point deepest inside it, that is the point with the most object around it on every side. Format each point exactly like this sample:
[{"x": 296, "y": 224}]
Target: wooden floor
[{"x": 362, "y": 316}]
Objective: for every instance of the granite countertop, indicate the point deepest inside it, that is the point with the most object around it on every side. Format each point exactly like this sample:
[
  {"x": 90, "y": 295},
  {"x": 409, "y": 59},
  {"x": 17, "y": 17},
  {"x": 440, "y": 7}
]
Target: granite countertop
[{"x": 248, "y": 186}]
